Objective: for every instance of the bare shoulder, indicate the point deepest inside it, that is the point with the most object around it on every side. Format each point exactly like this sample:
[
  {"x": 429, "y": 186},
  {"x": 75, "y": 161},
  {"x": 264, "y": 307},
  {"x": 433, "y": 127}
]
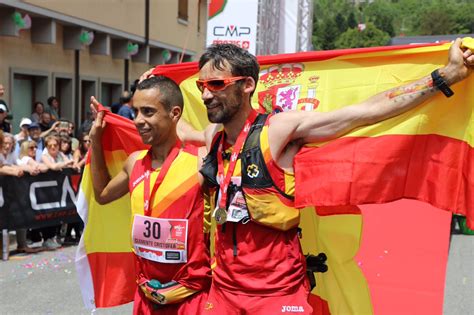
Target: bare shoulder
[
  {"x": 210, "y": 132},
  {"x": 281, "y": 128},
  {"x": 130, "y": 162}
]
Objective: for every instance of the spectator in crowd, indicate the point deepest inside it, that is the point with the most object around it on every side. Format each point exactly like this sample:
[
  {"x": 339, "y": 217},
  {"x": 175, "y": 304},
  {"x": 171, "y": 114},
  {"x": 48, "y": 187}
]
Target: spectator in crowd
[
  {"x": 80, "y": 158},
  {"x": 10, "y": 167},
  {"x": 4, "y": 123},
  {"x": 27, "y": 158},
  {"x": 38, "y": 110},
  {"x": 6, "y": 169},
  {"x": 45, "y": 122},
  {"x": 74, "y": 140},
  {"x": 115, "y": 107},
  {"x": 80, "y": 155},
  {"x": 8, "y": 155},
  {"x": 23, "y": 134},
  {"x": 66, "y": 149},
  {"x": 53, "y": 157},
  {"x": 65, "y": 146},
  {"x": 34, "y": 132},
  {"x": 53, "y": 108},
  {"x": 87, "y": 123},
  {"x": 2, "y": 92},
  {"x": 126, "y": 109}
]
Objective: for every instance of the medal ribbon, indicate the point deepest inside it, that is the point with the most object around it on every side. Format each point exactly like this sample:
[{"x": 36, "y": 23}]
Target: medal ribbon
[
  {"x": 225, "y": 181},
  {"x": 147, "y": 197}
]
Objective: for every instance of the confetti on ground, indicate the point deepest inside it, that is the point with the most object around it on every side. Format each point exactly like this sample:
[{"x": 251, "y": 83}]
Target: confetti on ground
[{"x": 19, "y": 257}]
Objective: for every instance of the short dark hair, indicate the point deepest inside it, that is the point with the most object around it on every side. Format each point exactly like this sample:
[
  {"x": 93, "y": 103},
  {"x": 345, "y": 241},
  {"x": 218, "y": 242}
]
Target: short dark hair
[
  {"x": 51, "y": 99},
  {"x": 242, "y": 63},
  {"x": 170, "y": 93},
  {"x": 126, "y": 97}
]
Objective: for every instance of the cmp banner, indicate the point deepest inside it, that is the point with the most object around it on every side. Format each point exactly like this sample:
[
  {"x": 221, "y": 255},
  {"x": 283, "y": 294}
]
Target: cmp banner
[
  {"x": 37, "y": 201},
  {"x": 233, "y": 22}
]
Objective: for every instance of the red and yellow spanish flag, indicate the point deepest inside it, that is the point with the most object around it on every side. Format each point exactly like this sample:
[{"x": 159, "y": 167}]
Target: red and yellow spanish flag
[
  {"x": 383, "y": 258},
  {"x": 104, "y": 259}
]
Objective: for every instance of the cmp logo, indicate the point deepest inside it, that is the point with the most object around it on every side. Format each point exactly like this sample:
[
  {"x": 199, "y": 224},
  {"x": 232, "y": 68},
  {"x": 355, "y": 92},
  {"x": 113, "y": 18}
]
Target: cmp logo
[
  {"x": 231, "y": 30},
  {"x": 252, "y": 171}
]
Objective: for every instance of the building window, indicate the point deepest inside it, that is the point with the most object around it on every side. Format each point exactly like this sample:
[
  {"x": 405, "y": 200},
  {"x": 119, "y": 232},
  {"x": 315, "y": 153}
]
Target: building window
[{"x": 183, "y": 10}]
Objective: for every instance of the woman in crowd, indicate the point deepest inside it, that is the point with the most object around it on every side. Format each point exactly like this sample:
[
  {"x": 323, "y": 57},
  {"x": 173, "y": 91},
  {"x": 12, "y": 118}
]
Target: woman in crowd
[
  {"x": 53, "y": 157},
  {"x": 27, "y": 158},
  {"x": 65, "y": 147},
  {"x": 55, "y": 160},
  {"x": 80, "y": 155},
  {"x": 9, "y": 167},
  {"x": 8, "y": 155},
  {"x": 67, "y": 150},
  {"x": 38, "y": 110}
]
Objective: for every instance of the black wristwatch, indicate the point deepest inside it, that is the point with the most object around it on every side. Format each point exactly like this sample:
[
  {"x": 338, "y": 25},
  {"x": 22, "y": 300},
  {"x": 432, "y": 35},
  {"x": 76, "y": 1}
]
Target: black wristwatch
[{"x": 441, "y": 84}]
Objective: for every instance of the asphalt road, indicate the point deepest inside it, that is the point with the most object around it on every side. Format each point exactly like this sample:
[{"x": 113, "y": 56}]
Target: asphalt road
[{"x": 46, "y": 283}]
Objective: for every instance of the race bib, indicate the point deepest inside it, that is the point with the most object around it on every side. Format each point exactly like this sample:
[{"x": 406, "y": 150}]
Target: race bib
[{"x": 160, "y": 240}]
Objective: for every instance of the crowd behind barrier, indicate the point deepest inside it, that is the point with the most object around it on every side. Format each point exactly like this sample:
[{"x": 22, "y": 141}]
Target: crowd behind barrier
[{"x": 40, "y": 171}]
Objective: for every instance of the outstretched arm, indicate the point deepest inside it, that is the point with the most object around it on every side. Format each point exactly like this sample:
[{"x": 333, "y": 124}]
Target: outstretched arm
[
  {"x": 188, "y": 134},
  {"x": 106, "y": 189},
  {"x": 305, "y": 127}
]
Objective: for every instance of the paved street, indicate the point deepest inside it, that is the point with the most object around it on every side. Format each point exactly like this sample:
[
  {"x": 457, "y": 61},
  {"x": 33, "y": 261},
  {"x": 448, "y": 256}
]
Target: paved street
[{"x": 45, "y": 283}]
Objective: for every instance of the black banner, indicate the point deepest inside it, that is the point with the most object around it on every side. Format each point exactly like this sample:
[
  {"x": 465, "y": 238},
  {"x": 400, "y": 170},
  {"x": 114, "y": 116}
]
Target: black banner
[{"x": 46, "y": 199}]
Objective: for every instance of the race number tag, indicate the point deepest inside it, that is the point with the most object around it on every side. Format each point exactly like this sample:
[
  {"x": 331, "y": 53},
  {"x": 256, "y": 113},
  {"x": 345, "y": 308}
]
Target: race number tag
[
  {"x": 160, "y": 240},
  {"x": 237, "y": 208}
]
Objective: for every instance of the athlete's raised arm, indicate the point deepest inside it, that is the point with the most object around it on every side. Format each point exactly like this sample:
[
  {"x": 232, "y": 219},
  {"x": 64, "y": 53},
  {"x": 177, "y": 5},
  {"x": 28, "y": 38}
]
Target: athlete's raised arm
[
  {"x": 106, "y": 189},
  {"x": 305, "y": 127}
]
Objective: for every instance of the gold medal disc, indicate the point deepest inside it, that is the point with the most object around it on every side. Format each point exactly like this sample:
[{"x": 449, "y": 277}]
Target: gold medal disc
[{"x": 220, "y": 215}]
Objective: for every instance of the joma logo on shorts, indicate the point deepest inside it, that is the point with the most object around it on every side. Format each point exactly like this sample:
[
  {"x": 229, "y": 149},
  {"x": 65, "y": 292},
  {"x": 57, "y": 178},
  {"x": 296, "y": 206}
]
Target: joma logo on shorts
[{"x": 292, "y": 309}]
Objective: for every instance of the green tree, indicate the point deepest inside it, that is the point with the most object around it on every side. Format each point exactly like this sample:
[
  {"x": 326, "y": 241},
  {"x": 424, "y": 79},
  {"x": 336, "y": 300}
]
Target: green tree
[
  {"x": 369, "y": 37},
  {"x": 351, "y": 20},
  {"x": 326, "y": 35},
  {"x": 382, "y": 14},
  {"x": 341, "y": 23},
  {"x": 436, "y": 21}
]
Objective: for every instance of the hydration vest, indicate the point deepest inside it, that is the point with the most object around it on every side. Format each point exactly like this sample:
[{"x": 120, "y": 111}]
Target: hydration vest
[{"x": 267, "y": 203}]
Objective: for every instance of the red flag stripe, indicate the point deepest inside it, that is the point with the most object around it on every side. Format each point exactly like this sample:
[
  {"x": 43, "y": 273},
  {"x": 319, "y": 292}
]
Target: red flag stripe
[{"x": 361, "y": 170}]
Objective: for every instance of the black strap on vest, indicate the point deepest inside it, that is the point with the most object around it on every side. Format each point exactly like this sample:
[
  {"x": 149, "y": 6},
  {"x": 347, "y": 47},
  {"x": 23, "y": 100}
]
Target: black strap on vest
[
  {"x": 315, "y": 264},
  {"x": 254, "y": 171}
]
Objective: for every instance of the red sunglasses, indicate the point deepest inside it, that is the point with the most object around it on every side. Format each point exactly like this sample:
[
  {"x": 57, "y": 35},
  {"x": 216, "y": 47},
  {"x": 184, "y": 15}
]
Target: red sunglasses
[{"x": 215, "y": 85}]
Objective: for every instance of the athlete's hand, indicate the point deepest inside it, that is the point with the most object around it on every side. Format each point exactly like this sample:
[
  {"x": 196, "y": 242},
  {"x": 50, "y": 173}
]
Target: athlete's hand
[
  {"x": 99, "y": 123},
  {"x": 460, "y": 63},
  {"x": 146, "y": 75}
]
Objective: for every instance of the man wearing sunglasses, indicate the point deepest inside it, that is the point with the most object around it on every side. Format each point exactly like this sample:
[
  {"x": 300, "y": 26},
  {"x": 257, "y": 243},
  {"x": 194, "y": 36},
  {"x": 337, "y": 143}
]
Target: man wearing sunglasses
[{"x": 260, "y": 268}]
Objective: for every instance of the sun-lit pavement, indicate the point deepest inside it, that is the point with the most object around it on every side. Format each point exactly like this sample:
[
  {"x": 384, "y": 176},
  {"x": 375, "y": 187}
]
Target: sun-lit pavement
[{"x": 46, "y": 283}]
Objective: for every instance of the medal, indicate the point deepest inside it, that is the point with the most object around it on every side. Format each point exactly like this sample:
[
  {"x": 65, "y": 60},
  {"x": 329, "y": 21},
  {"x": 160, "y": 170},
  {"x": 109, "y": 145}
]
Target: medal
[{"x": 220, "y": 215}]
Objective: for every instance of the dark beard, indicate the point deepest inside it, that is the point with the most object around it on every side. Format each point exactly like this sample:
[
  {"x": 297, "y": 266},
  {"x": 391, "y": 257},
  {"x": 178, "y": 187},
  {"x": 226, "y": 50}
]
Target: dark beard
[{"x": 228, "y": 112}]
